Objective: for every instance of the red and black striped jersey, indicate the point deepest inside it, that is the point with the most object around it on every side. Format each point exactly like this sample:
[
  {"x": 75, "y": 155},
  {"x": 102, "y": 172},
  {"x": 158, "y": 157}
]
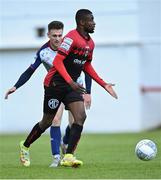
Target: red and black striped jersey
[{"x": 76, "y": 50}]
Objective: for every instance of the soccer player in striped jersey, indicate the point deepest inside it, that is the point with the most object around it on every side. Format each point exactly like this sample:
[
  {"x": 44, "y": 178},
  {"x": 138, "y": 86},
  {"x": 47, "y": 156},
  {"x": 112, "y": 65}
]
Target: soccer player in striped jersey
[
  {"x": 74, "y": 56},
  {"x": 45, "y": 56}
]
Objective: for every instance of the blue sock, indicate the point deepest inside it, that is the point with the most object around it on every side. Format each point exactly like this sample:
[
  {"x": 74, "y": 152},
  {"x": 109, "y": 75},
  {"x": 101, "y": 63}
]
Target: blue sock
[{"x": 55, "y": 135}]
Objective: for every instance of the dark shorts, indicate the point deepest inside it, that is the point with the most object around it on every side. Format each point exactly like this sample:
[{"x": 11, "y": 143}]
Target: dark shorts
[{"x": 54, "y": 95}]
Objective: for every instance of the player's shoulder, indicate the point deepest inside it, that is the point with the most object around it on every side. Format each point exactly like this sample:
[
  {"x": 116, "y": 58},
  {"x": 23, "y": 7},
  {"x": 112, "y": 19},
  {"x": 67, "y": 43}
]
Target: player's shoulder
[
  {"x": 68, "y": 39},
  {"x": 43, "y": 47},
  {"x": 71, "y": 35},
  {"x": 72, "y": 32}
]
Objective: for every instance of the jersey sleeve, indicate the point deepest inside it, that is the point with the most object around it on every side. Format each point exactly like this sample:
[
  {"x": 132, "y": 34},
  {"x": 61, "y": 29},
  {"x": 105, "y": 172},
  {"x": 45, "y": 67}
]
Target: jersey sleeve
[
  {"x": 92, "y": 73},
  {"x": 25, "y": 76},
  {"x": 59, "y": 66},
  {"x": 66, "y": 45},
  {"x": 37, "y": 62},
  {"x": 88, "y": 83}
]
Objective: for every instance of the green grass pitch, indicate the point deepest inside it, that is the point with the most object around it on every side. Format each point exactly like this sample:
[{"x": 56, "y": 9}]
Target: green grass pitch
[{"x": 105, "y": 156}]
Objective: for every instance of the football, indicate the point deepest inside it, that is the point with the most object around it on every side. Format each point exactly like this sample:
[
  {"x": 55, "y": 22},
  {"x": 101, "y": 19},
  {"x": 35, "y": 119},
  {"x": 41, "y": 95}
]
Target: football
[{"x": 146, "y": 150}]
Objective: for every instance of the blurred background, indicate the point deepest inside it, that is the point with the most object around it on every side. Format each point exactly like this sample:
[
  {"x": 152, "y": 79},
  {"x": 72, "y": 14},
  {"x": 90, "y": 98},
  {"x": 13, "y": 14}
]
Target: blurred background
[{"x": 127, "y": 53}]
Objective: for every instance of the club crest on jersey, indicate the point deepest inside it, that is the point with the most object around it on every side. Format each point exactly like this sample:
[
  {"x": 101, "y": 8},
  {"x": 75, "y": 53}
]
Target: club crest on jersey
[
  {"x": 66, "y": 44},
  {"x": 53, "y": 103}
]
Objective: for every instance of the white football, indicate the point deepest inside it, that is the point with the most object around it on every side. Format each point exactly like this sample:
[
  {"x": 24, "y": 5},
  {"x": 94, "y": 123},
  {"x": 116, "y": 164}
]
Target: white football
[{"x": 146, "y": 150}]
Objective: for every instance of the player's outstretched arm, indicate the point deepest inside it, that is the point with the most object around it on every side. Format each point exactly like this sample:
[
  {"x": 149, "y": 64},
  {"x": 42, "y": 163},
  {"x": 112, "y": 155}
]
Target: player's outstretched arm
[
  {"x": 59, "y": 66},
  {"x": 108, "y": 87},
  {"x": 25, "y": 76}
]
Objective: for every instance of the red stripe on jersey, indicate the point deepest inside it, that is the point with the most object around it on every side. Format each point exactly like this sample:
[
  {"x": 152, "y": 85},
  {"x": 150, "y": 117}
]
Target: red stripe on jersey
[
  {"x": 49, "y": 76},
  {"x": 73, "y": 52},
  {"x": 59, "y": 66},
  {"x": 75, "y": 43}
]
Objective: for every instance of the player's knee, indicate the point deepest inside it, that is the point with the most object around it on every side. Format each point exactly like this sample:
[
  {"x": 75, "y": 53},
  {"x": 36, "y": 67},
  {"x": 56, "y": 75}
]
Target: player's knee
[
  {"x": 81, "y": 118},
  {"x": 56, "y": 121},
  {"x": 45, "y": 122},
  {"x": 84, "y": 116},
  {"x": 44, "y": 125}
]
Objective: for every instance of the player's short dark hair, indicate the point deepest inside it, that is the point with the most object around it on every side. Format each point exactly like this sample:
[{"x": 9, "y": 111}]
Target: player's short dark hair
[
  {"x": 81, "y": 15},
  {"x": 55, "y": 25}
]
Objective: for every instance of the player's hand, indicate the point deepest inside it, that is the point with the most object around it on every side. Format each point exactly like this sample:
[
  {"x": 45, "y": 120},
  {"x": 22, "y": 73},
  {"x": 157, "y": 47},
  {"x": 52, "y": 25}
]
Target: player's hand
[
  {"x": 109, "y": 89},
  {"x": 87, "y": 100},
  {"x": 10, "y": 91},
  {"x": 77, "y": 87}
]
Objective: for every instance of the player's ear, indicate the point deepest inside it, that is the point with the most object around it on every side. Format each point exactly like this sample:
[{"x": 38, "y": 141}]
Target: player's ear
[{"x": 82, "y": 22}]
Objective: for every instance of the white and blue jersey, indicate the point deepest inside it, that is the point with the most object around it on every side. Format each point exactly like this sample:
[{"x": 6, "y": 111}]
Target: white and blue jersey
[{"x": 45, "y": 55}]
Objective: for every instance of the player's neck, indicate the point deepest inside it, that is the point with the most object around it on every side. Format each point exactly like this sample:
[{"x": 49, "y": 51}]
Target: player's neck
[
  {"x": 83, "y": 33},
  {"x": 54, "y": 48}
]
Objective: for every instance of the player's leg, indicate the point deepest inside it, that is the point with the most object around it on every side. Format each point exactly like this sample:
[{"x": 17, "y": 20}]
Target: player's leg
[
  {"x": 70, "y": 120},
  {"x": 78, "y": 111},
  {"x": 65, "y": 139},
  {"x": 35, "y": 133},
  {"x": 55, "y": 136},
  {"x": 67, "y": 132},
  {"x": 51, "y": 105}
]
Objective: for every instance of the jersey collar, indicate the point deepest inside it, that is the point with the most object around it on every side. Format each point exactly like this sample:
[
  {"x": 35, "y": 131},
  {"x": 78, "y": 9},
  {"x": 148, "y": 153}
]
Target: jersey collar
[{"x": 51, "y": 46}]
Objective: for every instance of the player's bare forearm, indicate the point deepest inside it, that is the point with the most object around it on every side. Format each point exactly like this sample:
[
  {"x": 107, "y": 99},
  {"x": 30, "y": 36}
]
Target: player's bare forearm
[
  {"x": 107, "y": 86},
  {"x": 88, "y": 68},
  {"x": 10, "y": 91}
]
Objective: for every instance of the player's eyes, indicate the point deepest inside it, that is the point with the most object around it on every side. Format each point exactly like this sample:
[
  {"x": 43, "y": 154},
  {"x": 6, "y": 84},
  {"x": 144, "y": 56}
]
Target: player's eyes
[{"x": 57, "y": 36}]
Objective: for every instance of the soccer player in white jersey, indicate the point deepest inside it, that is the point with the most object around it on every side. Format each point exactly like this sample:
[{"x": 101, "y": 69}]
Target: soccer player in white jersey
[{"x": 45, "y": 56}]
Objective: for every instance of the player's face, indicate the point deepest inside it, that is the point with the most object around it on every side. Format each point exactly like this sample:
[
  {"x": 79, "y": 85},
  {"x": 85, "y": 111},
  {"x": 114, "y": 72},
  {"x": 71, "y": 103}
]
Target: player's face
[
  {"x": 55, "y": 36},
  {"x": 89, "y": 24}
]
